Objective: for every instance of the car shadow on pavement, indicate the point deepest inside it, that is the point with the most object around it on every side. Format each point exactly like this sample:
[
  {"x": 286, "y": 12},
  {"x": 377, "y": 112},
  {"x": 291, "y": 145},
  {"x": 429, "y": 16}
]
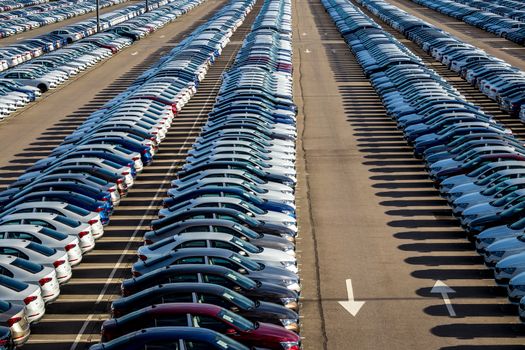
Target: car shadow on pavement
[{"x": 430, "y": 236}]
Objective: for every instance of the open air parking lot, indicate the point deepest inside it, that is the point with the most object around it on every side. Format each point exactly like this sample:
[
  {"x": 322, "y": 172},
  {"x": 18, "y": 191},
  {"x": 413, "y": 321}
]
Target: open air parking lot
[{"x": 263, "y": 174}]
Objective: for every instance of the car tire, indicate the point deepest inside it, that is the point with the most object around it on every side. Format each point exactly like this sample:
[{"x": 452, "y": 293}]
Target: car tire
[{"x": 43, "y": 88}]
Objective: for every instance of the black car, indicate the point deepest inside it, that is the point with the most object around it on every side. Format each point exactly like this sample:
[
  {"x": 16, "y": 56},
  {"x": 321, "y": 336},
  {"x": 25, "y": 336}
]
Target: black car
[
  {"x": 219, "y": 275},
  {"x": 208, "y": 293}
]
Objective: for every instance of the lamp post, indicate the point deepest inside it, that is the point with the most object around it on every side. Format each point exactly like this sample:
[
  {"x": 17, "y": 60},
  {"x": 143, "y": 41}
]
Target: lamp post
[
  {"x": 98, "y": 16},
  {"x": 147, "y": 7}
]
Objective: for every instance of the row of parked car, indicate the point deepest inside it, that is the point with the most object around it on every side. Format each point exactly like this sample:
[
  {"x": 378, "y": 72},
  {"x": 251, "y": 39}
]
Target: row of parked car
[
  {"x": 475, "y": 161},
  {"x": 28, "y": 49},
  {"x": 25, "y": 83},
  {"x": 54, "y": 213},
  {"x": 29, "y": 18},
  {"x": 494, "y": 77},
  {"x": 218, "y": 268},
  {"x": 510, "y": 25},
  {"x": 9, "y": 5}
]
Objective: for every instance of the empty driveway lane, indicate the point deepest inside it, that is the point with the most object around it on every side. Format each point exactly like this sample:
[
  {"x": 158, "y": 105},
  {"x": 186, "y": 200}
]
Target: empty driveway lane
[{"x": 368, "y": 213}]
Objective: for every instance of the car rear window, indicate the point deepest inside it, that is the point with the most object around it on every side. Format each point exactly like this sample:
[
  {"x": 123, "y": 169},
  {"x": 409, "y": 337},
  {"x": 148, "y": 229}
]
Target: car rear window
[
  {"x": 53, "y": 234},
  {"x": 41, "y": 249},
  {"x": 27, "y": 265},
  {"x": 12, "y": 284},
  {"x": 67, "y": 221},
  {"x": 77, "y": 210},
  {"x": 4, "y": 306}
]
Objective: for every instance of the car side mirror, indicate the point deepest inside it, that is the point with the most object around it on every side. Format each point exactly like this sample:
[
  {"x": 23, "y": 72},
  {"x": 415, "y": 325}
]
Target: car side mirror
[
  {"x": 234, "y": 309},
  {"x": 242, "y": 271},
  {"x": 242, "y": 252},
  {"x": 236, "y": 289}
]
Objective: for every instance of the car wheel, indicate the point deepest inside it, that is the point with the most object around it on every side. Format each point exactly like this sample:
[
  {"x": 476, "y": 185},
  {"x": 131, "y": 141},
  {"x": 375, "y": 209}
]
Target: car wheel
[{"x": 42, "y": 87}]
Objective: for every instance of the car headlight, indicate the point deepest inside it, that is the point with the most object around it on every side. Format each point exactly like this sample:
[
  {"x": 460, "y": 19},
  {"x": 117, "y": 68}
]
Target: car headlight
[
  {"x": 291, "y": 345},
  {"x": 288, "y": 321},
  {"x": 288, "y": 301},
  {"x": 287, "y": 263}
]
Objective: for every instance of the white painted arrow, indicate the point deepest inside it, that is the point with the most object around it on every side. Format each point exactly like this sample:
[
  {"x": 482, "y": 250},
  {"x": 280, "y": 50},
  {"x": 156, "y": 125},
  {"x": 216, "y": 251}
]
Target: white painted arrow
[
  {"x": 444, "y": 290},
  {"x": 134, "y": 53},
  {"x": 351, "y": 305}
]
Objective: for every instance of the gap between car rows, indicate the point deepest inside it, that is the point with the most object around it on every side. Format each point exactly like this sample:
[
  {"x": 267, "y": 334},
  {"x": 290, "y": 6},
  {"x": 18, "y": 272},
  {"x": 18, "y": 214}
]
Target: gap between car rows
[
  {"x": 369, "y": 213},
  {"x": 73, "y": 321}
]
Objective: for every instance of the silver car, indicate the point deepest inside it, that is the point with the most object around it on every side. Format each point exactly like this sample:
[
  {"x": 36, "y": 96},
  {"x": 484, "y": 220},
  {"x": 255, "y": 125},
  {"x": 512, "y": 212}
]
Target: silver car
[
  {"x": 30, "y": 295},
  {"x": 32, "y": 273},
  {"x": 39, "y": 254}
]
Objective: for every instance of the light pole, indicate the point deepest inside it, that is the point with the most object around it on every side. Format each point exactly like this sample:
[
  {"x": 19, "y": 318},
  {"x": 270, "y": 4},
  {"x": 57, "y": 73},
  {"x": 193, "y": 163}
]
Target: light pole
[
  {"x": 147, "y": 7},
  {"x": 98, "y": 16}
]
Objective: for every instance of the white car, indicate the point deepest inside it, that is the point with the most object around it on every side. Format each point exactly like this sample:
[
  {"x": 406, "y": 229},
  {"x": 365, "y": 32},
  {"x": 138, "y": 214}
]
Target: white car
[
  {"x": 268, "y": 256},
  {"x": 32, "y": 273},
  {"x": 18, "y": 292},
  {"x": 39, "y": 254}
]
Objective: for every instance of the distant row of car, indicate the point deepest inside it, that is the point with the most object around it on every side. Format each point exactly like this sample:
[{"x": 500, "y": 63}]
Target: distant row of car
[
  {"x": 26, "y": 82},
  {"x": 475, "y": 161},
  {"x": 221, "y": 256},
  {"x": 8, "y": 5},
  {"x": 54, "y": 213},
  {"x": 494, "y": 77},
  {"x": 510, "y": 25},
  {"x": 29, "y": 18},
  {"x": 25, "y": 50}
]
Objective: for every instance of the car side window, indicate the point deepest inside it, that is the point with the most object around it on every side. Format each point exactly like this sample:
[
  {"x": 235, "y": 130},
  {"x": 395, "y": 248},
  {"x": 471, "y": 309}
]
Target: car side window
[
  {"x": 6, "y": 272},
  {"x": 12, "y": 222},
  {"x": 38, "y": 222},
  {"x": 224, "y": 262},
  {"x": 212, "y": 299},
  {"x": 13, "y": 252},
  {"x": 162, "y": 345},
  {"x": 23, "y": 235},
  {"x": 191, "y": 260},
  {"x": 196, "y": 229},
  {"x": 218, "y": 280},
  {"x": 171, "y": 321},
  {"x": 185, "y": 297},
  {"x": 184, "y": 278},
  {"x": 223, "y": 245},
  {"x": 210, "y": 323},
  {"x": 196, "y": 345},
  {"x": 193, "y": 244}
]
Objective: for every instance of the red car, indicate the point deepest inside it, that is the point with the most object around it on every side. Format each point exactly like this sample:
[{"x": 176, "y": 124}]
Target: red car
[{"x": 205, "y": 316}]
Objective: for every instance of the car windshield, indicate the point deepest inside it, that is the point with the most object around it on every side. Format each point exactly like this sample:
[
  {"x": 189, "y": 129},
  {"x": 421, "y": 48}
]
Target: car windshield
[
  {"x": 250, "y": 248},
  {"x": 67, "y": 221},
  {"x": 247, "y": 232},
  {"x": 41, "y": 249},
  {"x": 238, "y": 299},
  {"x": 246, "y": 262},
  {"x": 481, "y": 170},
  {"x": 252, "y": 208},
  {"x": 236, "y": 320},
  {"x": 505, "y": 199},
  {"x": 27, "y": 265},
  {"x": 241, "y": 280}
]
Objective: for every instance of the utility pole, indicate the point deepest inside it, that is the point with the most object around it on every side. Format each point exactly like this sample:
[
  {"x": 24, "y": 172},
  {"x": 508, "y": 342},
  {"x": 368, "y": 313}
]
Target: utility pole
[
  {"x": 147, "y": 7},
  {"x": 98, "y": 16}
]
